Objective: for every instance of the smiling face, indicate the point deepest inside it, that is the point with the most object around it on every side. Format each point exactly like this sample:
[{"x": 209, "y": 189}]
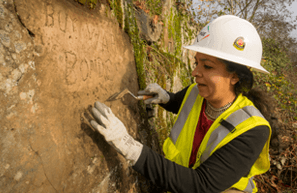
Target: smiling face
[{"x": 214, "y": 82}]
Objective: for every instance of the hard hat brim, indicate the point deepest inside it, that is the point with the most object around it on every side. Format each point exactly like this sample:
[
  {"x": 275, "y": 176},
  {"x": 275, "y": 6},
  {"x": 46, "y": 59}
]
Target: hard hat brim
[{"x": 228, "y": 57}]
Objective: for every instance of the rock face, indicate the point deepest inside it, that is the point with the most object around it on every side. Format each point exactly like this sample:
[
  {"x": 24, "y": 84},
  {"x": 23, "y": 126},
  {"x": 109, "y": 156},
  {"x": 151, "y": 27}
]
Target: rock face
[
  {"x": 149, "y": 30},
  {"x": 56, "y": 59}
]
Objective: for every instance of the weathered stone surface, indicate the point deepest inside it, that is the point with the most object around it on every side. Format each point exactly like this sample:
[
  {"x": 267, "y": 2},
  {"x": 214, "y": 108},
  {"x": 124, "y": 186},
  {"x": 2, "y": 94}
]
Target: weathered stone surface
[
  {"x": 55, "y": 62},
  {"x": 177, "y": 86},
  {"x": 149, "y": 30}
]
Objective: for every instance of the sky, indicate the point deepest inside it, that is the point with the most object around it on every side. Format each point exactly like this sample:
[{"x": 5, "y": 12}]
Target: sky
[{"x": 293, "y": 8}]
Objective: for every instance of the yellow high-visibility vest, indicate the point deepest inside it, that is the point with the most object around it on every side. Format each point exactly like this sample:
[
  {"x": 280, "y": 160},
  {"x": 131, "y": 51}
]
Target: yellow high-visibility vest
[{"x": 240, "y": 117}]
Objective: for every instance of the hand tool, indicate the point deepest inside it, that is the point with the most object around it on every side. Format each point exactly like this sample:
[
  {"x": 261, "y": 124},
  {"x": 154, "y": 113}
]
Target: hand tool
[{"x": 126, "y": 91}]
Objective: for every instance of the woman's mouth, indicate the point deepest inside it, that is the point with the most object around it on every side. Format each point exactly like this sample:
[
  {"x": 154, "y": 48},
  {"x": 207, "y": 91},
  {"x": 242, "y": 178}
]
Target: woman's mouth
[{"x": 201, "y": 84}]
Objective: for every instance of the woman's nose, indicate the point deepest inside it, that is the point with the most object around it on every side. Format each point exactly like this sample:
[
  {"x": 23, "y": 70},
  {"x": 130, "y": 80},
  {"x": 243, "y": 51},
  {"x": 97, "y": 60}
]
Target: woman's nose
[{"x": 196, "y": 72}]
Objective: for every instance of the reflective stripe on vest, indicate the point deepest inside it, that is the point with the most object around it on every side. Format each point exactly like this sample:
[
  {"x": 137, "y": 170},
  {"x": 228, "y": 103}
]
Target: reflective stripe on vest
[
  {"x": 222, "y": 131},
  {"x": 227, "y": 126},
  {"x": 250, "y": 186},
  {"x": 182, "y": 118}
]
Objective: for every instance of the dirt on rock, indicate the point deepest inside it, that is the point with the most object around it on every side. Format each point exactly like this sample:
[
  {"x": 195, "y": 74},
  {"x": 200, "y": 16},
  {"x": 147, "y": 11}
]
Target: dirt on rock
[{"x": 56, "y": 59}]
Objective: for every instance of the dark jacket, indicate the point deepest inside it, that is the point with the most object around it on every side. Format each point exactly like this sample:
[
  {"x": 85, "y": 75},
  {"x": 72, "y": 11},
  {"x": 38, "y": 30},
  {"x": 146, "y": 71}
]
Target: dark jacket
[{"x": 219, "y": 172}]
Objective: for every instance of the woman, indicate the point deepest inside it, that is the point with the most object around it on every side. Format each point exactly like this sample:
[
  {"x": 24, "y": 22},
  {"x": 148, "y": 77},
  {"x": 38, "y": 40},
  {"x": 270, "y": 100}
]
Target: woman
[{"x": 220, "y": 140}]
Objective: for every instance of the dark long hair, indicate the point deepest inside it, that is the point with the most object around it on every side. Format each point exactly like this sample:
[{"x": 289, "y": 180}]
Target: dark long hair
[{"x": 260, "y": 98}]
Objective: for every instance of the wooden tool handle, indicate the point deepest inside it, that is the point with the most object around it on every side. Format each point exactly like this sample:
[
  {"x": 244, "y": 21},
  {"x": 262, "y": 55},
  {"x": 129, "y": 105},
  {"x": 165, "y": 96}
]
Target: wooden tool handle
[{"x": 147, "y": 97}]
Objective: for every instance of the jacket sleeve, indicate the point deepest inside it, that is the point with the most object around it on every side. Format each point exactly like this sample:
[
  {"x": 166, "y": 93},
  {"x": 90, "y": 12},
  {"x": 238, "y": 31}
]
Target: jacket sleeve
[
  {"x": 175, "y": 101},
  {"x": 218, "y": 173}
]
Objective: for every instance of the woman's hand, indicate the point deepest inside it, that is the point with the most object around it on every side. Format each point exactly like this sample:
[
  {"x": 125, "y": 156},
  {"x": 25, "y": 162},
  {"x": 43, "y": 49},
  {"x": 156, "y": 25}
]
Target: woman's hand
[
  {"x": 160, "y": 95},
  {"x": 115, "y": 133}
]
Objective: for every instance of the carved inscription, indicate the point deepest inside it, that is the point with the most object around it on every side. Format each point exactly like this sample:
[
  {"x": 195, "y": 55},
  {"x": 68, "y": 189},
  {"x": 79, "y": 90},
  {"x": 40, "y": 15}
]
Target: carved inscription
[
  {"x": 107, "y": 71},
  {"x": 97, "y": 66},
  {"x": 49, "y": 10},
  {"x": 92, "y": 32},
  {"x": 85, "y": 69},
  {"x": 70, "y": 65},
  {"x": 104, "y": 44},
  {"x": 82, "y": 62},
  {"x": 71, "y": 25},
  {"x": 112, "y": 43},
  {"x": 77, "y": 71},
  {"x": 62, "y": 21}
]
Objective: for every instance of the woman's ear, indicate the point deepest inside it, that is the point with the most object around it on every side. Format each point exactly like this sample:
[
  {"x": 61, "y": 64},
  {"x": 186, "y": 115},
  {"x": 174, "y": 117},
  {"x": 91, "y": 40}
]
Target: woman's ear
[{"x": 234, "y": 79}]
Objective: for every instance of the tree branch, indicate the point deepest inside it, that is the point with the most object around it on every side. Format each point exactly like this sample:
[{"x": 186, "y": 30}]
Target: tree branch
[
  {"x": 245, "y": 9},
  {"x": 230, "y": 2},
  {"x": 258, "y": 3}
]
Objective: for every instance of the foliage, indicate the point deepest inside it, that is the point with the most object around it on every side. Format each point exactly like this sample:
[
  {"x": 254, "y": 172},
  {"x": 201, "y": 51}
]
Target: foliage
[
  {"x": 92, "y": 4},
  {"x": 282, "y": 175},
  {"x": 162, "y": 67},
  {"x": 277, "y": 82},
  {"x": 271, "y": 18},
  {"x": 138, "y": 44},
  {"x": 177, "y": 30},
  {"x": 116, "y": 6},
  {"x": 81, "y": 1},
  {"x": 156, "y": 63},
  {"x": 151, "y": 7}
]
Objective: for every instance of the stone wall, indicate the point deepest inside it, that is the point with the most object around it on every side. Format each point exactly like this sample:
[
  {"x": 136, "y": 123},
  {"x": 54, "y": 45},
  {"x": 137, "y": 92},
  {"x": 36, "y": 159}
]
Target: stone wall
[
  {"x": 160, "y": 57},
  {"x": 56, "y": 59}
]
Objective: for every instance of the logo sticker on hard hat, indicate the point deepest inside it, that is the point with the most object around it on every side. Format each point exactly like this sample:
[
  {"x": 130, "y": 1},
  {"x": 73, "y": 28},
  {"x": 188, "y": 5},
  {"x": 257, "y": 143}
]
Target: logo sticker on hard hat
[
  {"x": 239, "y": 44},
  {"x": 204, "y": 33},
  {"x": 205, "y": 36}
]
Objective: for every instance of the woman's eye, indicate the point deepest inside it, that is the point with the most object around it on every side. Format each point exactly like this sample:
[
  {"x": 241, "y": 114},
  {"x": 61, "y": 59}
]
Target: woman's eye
[{"x": 207, "y": 67}]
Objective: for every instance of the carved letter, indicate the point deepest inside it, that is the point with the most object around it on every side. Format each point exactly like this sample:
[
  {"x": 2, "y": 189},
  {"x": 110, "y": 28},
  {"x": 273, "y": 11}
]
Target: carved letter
[
  {"x": 49, "y": 15},
  {"x": 84, "y": 68},
  {"x": 70, "y": 64},
  {"x": 62, "y": 21}
]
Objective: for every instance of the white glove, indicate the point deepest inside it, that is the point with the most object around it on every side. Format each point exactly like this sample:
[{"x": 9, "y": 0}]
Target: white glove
[
  {"x": 115, "y": 132},
  {"x": 161, "y": 96}
]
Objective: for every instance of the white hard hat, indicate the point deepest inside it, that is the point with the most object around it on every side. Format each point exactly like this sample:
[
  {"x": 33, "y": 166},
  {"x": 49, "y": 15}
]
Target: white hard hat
[{"x": 231, "y": 38}]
